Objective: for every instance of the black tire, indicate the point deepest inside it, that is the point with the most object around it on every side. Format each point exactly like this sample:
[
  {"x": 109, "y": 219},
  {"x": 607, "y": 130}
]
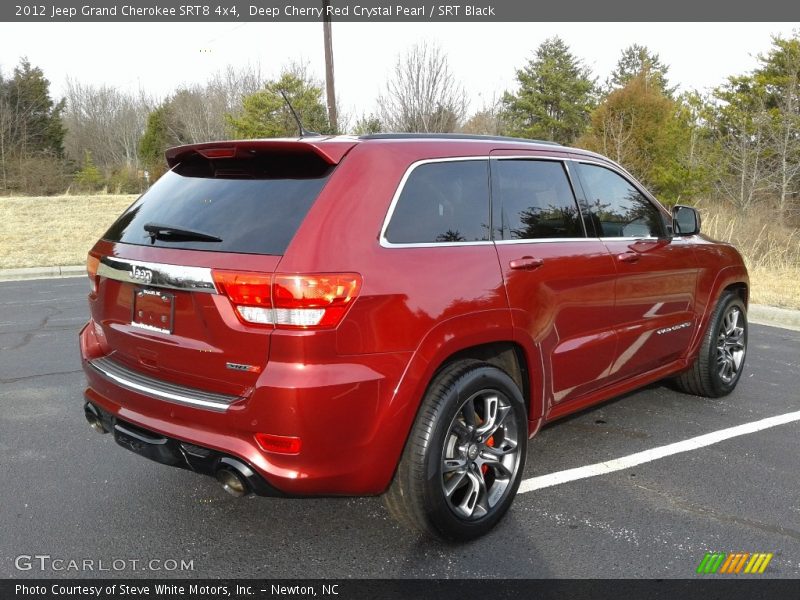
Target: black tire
[
  {"x": 437, "y": 487},
  {"x": 719, "y": 365}
]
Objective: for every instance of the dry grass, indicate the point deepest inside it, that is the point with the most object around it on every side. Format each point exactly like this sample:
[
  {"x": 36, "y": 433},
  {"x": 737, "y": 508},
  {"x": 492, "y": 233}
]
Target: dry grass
[
  {"x": 771, "y": 251},
  {"x": 54, "y": 230}
]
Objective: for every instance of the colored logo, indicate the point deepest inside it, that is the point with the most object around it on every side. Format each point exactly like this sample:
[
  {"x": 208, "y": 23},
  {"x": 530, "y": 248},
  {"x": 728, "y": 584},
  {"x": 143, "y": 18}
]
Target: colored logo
[{"x": 733, "y": 563}]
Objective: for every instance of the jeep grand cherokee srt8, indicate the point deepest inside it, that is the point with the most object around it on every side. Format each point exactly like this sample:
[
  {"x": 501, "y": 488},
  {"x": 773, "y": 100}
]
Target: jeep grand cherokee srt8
[{"x": 394, "y": 314}]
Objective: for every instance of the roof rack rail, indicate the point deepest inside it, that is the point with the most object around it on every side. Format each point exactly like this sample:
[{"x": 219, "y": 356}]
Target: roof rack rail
[{"x": 452, "y": 136}]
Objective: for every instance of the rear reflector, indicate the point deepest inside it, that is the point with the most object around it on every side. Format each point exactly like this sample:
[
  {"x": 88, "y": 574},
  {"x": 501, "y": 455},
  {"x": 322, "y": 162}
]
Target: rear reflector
[
  {"x": 281, "y": 444},
  {"x": 318, "y": 300}
]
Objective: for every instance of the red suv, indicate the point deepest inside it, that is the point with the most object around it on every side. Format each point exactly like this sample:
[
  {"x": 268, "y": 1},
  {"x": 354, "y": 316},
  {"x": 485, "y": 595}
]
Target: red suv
[{"x": 394, "y": 314}]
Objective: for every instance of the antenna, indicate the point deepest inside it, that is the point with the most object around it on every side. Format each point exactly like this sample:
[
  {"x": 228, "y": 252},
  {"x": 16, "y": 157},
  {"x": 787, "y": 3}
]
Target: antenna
[{"x": 303, "y": 131}]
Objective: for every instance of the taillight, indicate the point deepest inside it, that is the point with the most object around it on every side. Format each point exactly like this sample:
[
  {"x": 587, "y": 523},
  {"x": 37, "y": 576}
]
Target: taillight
[
  {"x": 250, "y": 293},
  {"x": 92, "y": 264},
  {"x": 313, "y": 300},
  {"x": 318, "y": 300}
]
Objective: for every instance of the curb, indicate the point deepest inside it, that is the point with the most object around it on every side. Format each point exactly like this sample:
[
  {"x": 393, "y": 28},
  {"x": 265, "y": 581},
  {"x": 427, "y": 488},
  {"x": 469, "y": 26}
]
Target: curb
[
  {"x": 757, "y": 313},
  {"x": 42, "y": 272},
  {"x": 774, "y": 316}
]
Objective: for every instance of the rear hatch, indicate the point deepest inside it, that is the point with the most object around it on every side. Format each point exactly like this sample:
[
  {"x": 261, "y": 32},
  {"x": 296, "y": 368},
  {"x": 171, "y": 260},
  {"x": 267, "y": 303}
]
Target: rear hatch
[{"x": 222, "y": 211}]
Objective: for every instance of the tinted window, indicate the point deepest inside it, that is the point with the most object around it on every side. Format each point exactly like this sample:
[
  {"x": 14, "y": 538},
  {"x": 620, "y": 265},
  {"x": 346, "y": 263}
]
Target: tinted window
[
  {"x": 443, "y": 202},
  {"x": 533, "y": 199},
  {"x": 255, "y": 206},
  {"x": 618, "y": 208}
]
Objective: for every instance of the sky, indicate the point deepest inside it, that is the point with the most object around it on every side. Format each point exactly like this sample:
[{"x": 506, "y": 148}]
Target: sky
[{"x": 157, "y": 57}]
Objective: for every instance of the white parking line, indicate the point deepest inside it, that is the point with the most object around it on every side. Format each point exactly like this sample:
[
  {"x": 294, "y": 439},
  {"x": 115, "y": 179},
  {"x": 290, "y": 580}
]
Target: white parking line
[{"x": 626, "y": 462}]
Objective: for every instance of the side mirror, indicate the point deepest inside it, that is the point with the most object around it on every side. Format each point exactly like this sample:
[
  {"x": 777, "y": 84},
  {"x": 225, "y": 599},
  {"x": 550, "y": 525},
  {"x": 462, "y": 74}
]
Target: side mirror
[{"x": 685, "y": 220}]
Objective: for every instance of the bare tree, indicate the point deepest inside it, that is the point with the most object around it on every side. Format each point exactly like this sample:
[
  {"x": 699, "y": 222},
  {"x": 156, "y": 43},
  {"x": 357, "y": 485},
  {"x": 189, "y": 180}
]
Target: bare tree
[
  {"x": 233, "y": 84},
  {"x": 106, "y": 122},
  {"x": 202, "y": 108},
  {"x": 744, "y": 174},
  {"x": 5, "y": 125},
  {"x": 110, "y": 123},
  {"x": 784, "y": 144},
  {"x": 617, "y": 128},
  {"x": 198, "y": 112},
  {"x": 487, "y": 120},
  {"x": 783, "y": 139},
  {"x": 423, "y": 94}
]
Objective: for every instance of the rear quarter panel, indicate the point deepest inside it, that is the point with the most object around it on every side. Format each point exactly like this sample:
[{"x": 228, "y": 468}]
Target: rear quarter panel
[{"x": 426, "y": 302}]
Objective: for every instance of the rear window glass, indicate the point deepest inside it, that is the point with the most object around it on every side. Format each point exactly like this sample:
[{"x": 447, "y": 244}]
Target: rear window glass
[
  {"x": 253, "y": 206},
  {"x": 442, "y": 202}
]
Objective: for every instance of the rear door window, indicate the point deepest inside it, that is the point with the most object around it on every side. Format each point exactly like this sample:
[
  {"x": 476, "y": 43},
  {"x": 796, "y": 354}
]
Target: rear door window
[
  {"x": 254, "y": 206},
  {"x": 533, "y": 199},
  {"x": 442, "y": 202}
]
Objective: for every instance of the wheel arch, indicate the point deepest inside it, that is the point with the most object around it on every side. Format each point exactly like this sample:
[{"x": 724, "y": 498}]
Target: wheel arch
[
  {"x": 487, "y": 336},
  {"x": 506, "y": 355},
  {"x": 733, "y": 278},
  {"x": 741, "y": 289}
]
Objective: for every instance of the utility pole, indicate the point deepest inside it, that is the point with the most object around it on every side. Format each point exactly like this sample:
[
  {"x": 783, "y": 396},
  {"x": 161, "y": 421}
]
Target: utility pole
[{"x": 330, "y": 89}]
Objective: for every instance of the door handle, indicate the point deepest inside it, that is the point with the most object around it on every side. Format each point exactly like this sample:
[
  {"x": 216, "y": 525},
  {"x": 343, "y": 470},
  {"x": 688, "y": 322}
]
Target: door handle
[
  {"x": 628, "y": 257},
  {"x": 526, "y": 263}
]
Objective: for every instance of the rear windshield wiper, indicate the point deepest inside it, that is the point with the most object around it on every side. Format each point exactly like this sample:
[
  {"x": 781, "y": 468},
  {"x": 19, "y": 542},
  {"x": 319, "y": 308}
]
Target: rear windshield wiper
[{"x": 169, "y": 233}]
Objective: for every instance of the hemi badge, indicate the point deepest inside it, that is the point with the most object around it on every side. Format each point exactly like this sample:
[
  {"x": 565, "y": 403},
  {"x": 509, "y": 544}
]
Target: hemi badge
[{"x": 240, "y": 367}]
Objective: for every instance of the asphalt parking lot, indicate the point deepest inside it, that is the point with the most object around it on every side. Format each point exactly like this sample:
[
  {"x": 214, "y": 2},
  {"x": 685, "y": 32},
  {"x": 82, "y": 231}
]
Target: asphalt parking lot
[{"x": 72, "y": 494}]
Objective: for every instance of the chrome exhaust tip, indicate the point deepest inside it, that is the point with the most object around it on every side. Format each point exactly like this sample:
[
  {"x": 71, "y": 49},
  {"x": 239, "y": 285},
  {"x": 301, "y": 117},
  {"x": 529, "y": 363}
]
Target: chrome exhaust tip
[
  {"x": 93, "y": 417},
  {"x": 233, "y": 482}
]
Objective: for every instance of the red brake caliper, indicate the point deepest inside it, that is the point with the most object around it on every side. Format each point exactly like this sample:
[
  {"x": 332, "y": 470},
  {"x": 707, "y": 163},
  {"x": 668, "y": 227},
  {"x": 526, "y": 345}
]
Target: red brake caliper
[{"x": 490, "y": 443}]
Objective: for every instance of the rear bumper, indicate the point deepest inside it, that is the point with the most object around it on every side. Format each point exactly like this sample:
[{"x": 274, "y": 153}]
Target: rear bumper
[
  {"x": 345, "y": 413},
  {"x": 175, "y": 453}
]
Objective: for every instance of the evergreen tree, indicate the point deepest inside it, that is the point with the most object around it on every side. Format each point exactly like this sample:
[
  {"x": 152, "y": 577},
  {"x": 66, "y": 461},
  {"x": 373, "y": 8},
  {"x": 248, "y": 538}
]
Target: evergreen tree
[
  {"x": 159, "y": 135},
  {"x": 31, "y": 133},
  {"x": 89, "y": 178},
  {"x": 368, "y": 124},
  {"x": 555, "y": 96},
  {"x": 265, "y": 113},
  {"x": 34, "y": 125},
  {"x": 638, "y": 60}
]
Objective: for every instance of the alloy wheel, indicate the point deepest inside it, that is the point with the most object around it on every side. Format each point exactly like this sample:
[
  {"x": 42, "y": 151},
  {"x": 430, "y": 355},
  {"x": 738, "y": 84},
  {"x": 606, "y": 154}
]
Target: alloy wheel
[
  {"x": 730, "y": 345},
  {"x": 481, "y": 455}
]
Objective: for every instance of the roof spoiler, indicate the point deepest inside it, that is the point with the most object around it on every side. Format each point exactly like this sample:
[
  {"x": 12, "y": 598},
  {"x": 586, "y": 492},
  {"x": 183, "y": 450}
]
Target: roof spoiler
[{"x": 330, "y": 150}]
